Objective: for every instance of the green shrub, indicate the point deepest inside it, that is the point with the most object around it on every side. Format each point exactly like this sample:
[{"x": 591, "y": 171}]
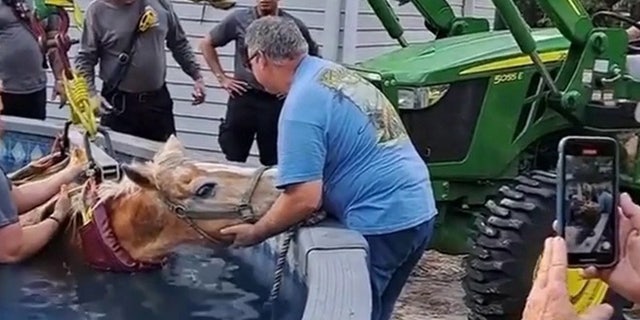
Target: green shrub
[{"x": 536, "y": 18}]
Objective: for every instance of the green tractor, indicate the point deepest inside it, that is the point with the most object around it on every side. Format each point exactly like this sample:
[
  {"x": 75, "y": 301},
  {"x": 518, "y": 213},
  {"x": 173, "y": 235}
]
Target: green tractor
[{"x": 486, "y": 109}]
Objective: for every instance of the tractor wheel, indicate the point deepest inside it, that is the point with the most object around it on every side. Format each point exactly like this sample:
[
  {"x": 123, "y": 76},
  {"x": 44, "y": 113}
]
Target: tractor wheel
[{"x": 504, "y": 255}]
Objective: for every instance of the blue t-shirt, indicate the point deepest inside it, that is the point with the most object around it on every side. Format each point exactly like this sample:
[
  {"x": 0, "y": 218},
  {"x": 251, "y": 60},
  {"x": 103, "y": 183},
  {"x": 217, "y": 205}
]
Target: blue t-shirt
[{"x": 337, "y": 127}]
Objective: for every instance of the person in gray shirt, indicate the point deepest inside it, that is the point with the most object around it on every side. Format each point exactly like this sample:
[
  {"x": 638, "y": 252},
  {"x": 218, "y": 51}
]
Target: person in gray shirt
[
  {"x": 142, "y": 105},
  {"x": 251, "y": 111},
  {"x": 18, "y": 242},
  {"x": 22, "y": 60}
]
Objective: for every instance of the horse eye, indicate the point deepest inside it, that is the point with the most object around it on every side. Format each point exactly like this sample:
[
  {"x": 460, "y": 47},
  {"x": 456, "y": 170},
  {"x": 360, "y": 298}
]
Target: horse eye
[{"x": 206, "y": 190}]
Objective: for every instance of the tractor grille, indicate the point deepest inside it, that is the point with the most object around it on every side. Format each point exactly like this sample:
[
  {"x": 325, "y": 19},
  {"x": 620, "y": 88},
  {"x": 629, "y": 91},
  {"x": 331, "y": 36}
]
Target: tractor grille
[{"x": 443, "y": 132}]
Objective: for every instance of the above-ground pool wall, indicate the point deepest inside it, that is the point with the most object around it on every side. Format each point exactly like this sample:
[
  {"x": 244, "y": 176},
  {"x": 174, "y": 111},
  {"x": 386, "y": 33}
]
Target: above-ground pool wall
[{"x": 331, "y": 260}]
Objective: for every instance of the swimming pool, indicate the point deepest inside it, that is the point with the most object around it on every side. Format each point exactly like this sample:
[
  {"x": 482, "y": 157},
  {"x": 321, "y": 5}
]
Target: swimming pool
[
  {"x": 198, "y": 283},
  {"x": 326, "y": 276}
]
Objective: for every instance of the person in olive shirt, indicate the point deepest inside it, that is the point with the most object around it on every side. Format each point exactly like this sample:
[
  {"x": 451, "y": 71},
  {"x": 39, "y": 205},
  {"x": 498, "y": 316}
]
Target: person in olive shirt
[
  {"x": 251, "y": 111},
  {"x": 22, "y": 61},
  {"x": 142, "y": 105}
]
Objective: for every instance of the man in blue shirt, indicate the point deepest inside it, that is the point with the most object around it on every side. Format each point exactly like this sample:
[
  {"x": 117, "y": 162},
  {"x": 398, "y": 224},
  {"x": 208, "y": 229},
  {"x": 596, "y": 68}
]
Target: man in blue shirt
[{"x": 342, "y": 146}]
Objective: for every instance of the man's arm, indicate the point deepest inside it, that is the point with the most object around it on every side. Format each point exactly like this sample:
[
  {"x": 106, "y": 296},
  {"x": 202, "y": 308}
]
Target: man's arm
[
  {"x": 314, "y": 49},
  {"x": 20, "y": 243},
  {"x": 301, "y": 160},
  {"x": 88, "y": 53},
  {"x": 223, "y": 33},
  {"x": 180, "y": 47},
  {"x": 31, "y": 195}
]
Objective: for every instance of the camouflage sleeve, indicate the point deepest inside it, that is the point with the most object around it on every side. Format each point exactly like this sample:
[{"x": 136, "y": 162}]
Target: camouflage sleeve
[
  {"x": 180, "y": 47},
  {"x": 51, "y": 26}
]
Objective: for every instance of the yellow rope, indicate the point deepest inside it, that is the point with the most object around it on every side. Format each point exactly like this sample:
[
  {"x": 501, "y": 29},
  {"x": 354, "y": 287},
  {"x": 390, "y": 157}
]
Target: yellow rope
[{"x": 82, "y": 105}]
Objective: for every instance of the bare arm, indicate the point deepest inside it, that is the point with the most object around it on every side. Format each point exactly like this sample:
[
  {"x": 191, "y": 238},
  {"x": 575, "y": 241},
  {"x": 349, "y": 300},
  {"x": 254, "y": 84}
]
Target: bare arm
[
  {"x": 31, "y": 195},
  {"x": 180, "y": 47},
  {"x": 87, "y": 56},
  {"x": 294, "y": 205},
  {"x": 20, "y": 243},
  {"x": 219, "y": 36}
]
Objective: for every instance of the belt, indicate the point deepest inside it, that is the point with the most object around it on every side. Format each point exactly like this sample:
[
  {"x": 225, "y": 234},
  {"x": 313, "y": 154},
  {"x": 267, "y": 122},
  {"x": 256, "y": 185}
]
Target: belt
[{"x": 141, "y": 97}]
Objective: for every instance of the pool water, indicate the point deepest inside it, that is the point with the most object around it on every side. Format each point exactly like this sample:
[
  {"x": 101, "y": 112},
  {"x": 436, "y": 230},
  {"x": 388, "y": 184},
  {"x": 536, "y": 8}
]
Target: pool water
[{"x": 197, "y": 283}]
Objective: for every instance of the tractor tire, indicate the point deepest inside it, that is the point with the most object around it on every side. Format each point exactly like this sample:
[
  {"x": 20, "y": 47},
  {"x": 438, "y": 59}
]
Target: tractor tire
[{"x": 509, "y": 240}]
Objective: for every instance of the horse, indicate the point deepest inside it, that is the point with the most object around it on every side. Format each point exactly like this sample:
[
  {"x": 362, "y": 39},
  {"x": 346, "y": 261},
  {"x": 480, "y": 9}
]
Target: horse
[{"x": 135, "y": 223}]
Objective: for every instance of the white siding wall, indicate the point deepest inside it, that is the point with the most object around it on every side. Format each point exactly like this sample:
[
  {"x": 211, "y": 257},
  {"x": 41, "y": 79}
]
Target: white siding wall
[
  {"x": 486, "y": 9},
  {"x": 372, "y": 38},
  {"x": 198, "y": 126}
]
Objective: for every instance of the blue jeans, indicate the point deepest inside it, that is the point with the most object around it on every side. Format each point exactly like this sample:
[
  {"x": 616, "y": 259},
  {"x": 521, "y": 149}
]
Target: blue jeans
[{"x": 392, "y": 257}]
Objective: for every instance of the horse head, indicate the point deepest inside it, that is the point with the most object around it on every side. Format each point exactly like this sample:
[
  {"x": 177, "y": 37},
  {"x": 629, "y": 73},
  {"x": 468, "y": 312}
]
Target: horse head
[{"x": 174, "y": 199}]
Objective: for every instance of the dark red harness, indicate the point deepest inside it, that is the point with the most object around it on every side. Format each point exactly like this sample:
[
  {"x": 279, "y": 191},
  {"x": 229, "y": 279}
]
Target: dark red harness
[{"x": 102, "y": 250}]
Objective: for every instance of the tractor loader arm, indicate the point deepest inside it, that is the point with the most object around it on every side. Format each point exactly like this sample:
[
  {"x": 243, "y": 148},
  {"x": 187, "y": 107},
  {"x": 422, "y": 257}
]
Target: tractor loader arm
[
  {"x": 438, "y": 19},
  {"x": 594, "y": 72}
]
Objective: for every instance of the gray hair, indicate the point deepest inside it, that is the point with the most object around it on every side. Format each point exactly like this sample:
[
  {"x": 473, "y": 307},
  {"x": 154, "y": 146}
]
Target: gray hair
[{"x": 276, "y": 38}]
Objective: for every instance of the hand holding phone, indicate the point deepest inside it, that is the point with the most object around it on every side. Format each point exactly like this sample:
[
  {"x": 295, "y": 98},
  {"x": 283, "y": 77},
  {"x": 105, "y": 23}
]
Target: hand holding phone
[
  {"x": 624, "y": 277},
  {"x": 587, "y": 200}
]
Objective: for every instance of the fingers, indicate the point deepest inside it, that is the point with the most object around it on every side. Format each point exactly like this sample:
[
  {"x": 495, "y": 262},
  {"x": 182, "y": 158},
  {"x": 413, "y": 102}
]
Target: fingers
[
  {"x": 632, "y": 243},
  {"x": 590, "y": 273},
  {"x": 543, "y": 269},
  {"x": 231, "y": 230},
  {"x": 600, "y": 312},
  {"x": 239, "y": 87},
  {"x": 630, "y": 210},
  {"x": 64, "y": 190},
  {"x": 624, "y": 226},
  {"x": 559, "y": 262}
]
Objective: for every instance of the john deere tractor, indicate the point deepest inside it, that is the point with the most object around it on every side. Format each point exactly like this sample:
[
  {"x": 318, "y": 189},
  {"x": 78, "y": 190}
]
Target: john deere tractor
[{"x": 486, "y": 109}]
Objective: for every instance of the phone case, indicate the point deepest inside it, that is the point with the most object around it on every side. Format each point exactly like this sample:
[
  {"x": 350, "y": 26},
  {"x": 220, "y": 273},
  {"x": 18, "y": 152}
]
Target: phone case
[{"x": 560, "y": 193}]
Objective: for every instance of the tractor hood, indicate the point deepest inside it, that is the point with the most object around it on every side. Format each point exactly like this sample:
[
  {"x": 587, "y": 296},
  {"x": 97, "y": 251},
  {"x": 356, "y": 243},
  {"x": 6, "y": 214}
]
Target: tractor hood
[{"x": 457, "y": 57}]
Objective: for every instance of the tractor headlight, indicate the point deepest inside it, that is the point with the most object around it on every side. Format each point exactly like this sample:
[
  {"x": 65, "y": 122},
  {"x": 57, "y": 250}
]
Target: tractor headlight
[{"x": 420, "y": 98}]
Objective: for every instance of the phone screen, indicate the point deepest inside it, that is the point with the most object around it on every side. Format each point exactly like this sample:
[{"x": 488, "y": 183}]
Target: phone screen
[{"x": 589, "y": 199}]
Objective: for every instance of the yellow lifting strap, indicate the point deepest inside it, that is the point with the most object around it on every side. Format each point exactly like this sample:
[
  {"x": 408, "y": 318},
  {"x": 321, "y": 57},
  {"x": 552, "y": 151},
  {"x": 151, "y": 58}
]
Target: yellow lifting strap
[{"x": 83, "y": 107}]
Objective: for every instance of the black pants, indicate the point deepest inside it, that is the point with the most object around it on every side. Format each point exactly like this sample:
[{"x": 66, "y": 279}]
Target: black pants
[
  {"x": 30, "y": 105},
  {"x": 147, "y": 115},
  {"x": 253, "y": 114}
]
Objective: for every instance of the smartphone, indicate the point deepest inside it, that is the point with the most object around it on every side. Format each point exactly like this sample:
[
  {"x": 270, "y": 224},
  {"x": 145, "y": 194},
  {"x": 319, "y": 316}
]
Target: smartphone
[{"x": 587, "y": 199}]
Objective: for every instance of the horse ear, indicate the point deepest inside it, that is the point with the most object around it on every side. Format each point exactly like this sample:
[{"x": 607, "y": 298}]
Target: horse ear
[
  {"x": 140, "y": 175},
  {"x": 172, "y": 146}
]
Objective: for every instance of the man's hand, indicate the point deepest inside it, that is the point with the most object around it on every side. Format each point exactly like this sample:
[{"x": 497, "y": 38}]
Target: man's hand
[
  {"x": 233, "y": 87},
  {"x": 633, "y": 33},
  {"x": 549, "y": 299},
  {"x": 624, "y": 278},
  {"x": 245, "y": 235},
  {"x": 77, "y": 163},
  {"x": 199, "y": 92},
  {"x": 62, "y": 209},
  {"x": 58, "y": 91}
]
